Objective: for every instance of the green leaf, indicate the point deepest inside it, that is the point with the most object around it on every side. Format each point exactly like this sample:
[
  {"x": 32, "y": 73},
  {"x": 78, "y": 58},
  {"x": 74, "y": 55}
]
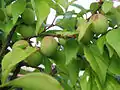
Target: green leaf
[
  {"x": 85, "y": 82},
  {"x": 115, "y": 65},
  {"x": 66, "y": 33},
  {"x": 110, "y": 49},
  {"x": 94, "y": 7},
  {"x": 88, "y": 81},
  {"x": 2, "y": 26},
  {"x": 79, "y": 7},
  {"x": 113, "y": 17},
  {"x": 111, "y": 84},
  {"x": 36, "y": 81},
  {"x": 65, "y": 85},
  {"x": 100, "y": 43},
  {"x": 98, "y": 62},
  {"x": 42, "y": 10},
  {"x": 17, "y": 9},
  {"x": 2, "y": 4},
  {"x": 73, "y": 70},
  {"x": 12, "y": 58},
  {"x": 82, "y": 28},
  {"x": 57, "y": 7},
  {"x": 8, "y": 27},
  {"x": 114, "y": 40},
  {"x": 64, "y": 3},
  {"x": 71, "y": 48},
  {"x": 107, "y": 5},
  {"x": 59, "y": 58},
  {"x": 67, "y": 23},
  {"x": 47, "y": 64}
]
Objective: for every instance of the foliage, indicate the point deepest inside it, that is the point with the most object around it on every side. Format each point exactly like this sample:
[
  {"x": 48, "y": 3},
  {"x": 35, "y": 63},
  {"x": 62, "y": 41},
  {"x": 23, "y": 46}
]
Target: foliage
[{"x": 83, "y": 55}]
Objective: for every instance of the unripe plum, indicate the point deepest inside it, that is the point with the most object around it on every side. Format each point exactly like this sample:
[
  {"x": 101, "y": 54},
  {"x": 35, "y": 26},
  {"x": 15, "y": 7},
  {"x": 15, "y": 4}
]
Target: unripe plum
[
  {"x": 99, "y": 23},
  {"x": 34, "y": 59},
  {"x": 28, "y": 16},
  {"x": 48, "y": 45},
  {"x": 26, "y": 31}
]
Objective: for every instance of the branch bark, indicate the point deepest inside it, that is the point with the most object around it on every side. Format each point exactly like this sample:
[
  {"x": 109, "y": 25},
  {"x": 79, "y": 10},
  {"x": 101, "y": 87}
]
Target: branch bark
[{"x": 9, "y": 37}]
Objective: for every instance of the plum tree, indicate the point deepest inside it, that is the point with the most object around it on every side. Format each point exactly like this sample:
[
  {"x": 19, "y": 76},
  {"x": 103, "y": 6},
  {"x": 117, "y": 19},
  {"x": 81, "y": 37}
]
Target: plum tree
[
  {"x": 21, "y": 44},
  {"x": 28, "y": 16},
  {"x": 99, "y": 23},
  {"x": 48, "y": 45},
  {"x": 26, "y": 30},
  {"x": 34, "y": 59}
]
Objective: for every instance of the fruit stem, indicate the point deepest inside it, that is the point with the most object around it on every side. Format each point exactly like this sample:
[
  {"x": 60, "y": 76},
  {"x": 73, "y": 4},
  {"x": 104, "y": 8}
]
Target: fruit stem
[{"x": 100, "y": 1}]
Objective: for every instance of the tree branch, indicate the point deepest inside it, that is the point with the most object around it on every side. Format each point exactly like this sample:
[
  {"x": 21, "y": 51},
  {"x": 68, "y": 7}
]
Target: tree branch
[
  {"x": 51, "y": 24},
  {"x": 9, "y": 37},
  {"x": 16, "y": 71}
]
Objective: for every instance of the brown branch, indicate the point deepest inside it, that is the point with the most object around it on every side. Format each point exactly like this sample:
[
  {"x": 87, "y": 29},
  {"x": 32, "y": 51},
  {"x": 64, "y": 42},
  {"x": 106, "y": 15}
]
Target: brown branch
[
  {"x": 51, "y": 24},
  {"x": 9, "y": 37},
  {"x": 16, "y": 71}
]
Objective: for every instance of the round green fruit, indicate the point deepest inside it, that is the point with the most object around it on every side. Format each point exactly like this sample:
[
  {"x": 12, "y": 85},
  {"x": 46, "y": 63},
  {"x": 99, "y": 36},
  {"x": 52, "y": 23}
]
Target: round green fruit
[
  {"x": 26, "y": 31},
  {"x": 99, "y": 23},
  {"x": 9, "y": 10},
  {"x": 34, "y": 59},
  {"x": 21, "y": 44},
  {"x": 28, "y": 16},
  {"x": 48, "y": 45},
  {"x": 2, "y": 15}
]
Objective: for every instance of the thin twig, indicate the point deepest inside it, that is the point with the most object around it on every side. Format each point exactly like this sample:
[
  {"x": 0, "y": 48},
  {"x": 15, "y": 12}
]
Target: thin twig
[{"x": 51, "y": 24}]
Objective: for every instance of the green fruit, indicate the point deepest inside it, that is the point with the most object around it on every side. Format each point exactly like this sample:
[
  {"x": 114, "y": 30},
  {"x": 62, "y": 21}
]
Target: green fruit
[
  {"x": 62, "y": 41},
  {"x": 2, "y": 15},
  {"x": 99, "y": 23},
  {"x": 21, "y": 44},
  {"x": 26, "y": 31},
  {"x": 9, "y": 10},
  {"x": 28, "y": 16},
  {"x": 48, "y": 46},
  {"x": 34, "y": 59}
]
